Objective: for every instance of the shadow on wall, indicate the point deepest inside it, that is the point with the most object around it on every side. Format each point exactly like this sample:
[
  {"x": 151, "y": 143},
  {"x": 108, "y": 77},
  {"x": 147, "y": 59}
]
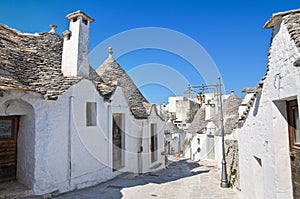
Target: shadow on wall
[{"x": 257, "y": 102}]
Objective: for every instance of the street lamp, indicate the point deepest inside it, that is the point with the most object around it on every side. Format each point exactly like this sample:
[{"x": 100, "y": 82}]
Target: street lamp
[{"x": 224, "y": 182}]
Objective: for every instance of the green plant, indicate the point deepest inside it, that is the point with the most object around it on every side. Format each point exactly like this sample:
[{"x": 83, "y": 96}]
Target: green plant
[
  {"x": 191, "y": 114},
  {"x": 185, "y": 143}
]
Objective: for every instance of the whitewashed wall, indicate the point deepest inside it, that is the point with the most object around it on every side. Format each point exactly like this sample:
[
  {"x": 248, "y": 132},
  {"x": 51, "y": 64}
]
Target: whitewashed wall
[
  {"x": 75, "y": 57},
  {"x": 69, "y": 154},
  {"x": 264, "y": 135},
  {"x": 58, "y": 152},
  {"x": 23, "y": 104},
  {"x": 132, "y": 129},
  {"x": 160, "y": 163}
]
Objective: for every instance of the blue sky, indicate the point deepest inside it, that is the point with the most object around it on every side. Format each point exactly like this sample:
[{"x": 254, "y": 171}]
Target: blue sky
[{"x": 231, "y": 32}]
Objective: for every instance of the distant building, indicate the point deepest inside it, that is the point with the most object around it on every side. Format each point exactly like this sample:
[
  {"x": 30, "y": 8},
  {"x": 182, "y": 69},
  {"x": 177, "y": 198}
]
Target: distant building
[
  {"x": 180, "y": 111},
  {"x": 173, "y": 138},
  {"x": 269, "y": 130},
  {"x": 204, "y": 134}
]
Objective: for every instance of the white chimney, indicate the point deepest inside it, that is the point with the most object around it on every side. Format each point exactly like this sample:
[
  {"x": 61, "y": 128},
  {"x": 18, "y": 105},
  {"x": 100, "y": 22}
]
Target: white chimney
[{"x": 75, "y": 56}]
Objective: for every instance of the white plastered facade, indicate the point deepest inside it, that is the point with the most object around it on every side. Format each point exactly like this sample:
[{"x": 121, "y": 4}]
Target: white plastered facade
[{"x": 265, "y": 168}]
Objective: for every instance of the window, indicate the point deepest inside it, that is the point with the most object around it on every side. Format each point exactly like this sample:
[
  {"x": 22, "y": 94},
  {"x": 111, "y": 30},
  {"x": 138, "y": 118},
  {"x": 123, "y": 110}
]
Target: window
[
  {"x": 91, "y": 114},
  {"x": 167, "y": 132},
  {"x": 294, "y": 123},
  {"x": 153, "y": 146}
]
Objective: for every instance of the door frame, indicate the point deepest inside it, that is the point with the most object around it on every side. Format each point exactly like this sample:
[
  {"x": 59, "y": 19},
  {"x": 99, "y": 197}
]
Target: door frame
[
  {"x": 294, "y": 148},
  {"x": 122, "y": 135},
  {"x": 153, "y": 142}
]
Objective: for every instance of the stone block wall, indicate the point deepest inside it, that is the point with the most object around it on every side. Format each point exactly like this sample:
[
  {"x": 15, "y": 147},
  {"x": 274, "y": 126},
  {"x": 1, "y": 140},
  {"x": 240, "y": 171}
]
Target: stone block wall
[{"x": 232, "y": 163}]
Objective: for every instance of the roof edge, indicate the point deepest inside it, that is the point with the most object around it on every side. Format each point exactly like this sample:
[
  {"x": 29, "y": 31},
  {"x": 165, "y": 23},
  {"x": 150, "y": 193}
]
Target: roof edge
[
  {"x": 276, "y": 16},
  {"x": 79, "y": 13}
]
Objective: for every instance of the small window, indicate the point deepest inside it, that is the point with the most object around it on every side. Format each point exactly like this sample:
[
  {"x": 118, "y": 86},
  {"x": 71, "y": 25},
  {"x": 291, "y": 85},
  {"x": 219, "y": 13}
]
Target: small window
[
  {"x": 91, "y": 114},
  {"x": 167, "y": 132},
  {"x": 68, "y": 37}
]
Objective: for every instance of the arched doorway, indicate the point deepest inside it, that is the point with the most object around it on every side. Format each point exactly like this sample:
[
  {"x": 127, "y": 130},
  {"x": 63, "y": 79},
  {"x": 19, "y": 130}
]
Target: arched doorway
[{"x": 17, "y": 132}]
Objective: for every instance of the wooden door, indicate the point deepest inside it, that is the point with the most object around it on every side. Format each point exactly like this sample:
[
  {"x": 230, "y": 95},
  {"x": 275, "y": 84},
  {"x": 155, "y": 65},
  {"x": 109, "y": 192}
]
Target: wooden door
[
  {"x": 210, "y": 147},
  {"x": 8, "y": 147},
  {"x": 294, "y": 138},
  {"x": 153, "y": 144},
  {"x": 117, "y": 142}
]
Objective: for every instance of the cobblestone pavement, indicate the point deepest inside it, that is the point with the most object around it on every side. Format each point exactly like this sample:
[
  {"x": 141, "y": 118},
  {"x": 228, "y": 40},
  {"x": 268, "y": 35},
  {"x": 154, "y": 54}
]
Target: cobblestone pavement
[{"x": 183, "y": 179}]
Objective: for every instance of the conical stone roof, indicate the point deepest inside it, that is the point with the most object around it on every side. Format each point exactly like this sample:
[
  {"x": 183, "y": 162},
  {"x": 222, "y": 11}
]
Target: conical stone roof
[
  {"x": 230, "y": 114},
  {"x": 172, "y": 128},
  {"x": 198, "y": 124},
  {"x": 113, "y": 74}
]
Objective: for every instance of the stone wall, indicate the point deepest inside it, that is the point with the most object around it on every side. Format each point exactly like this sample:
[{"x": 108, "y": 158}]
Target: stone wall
[{"x": 232, "y": 163}]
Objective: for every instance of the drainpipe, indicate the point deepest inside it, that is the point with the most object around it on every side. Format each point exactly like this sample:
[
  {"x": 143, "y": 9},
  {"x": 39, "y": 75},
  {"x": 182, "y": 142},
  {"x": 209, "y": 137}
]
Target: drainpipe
[
  {"x": 69, "y": 140},
  {"x": 140, "y": 151},
  {"x": 108, "y": 130},
  {"x": 190, "y": 144}
]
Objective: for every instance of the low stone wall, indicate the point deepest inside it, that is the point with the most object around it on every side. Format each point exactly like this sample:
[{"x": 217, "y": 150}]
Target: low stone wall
[{"x": 232, "y": 163}]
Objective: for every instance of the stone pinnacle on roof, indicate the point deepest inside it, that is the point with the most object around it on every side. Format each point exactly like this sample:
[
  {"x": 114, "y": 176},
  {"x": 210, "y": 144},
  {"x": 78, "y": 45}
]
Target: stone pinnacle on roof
[
  {"x": 110, "y": 52},
  {"x": 53, "y": 27}
]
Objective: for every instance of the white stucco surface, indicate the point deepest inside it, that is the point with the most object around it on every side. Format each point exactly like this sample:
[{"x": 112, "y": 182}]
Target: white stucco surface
[
  {"x": 69, "y": 154},
  {"x": 135, "y": 129},
  {"x": 264, "y": 135},
  {"x": 57, "y": 151},
  {"x": 75, "y": 57},
  {"x": 24, "y": 105}
]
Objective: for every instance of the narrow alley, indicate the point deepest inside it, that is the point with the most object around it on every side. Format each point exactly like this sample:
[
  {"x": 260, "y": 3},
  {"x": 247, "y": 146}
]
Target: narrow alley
[{"x": 183, "y": 179}]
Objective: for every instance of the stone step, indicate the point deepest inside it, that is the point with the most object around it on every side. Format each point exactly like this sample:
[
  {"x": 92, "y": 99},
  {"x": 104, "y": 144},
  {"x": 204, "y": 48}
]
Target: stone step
[{"x": 13, "y": 189}]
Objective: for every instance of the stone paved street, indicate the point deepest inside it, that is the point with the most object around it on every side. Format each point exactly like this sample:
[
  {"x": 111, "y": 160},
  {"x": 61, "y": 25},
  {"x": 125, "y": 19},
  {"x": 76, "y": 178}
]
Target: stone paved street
[{"x": 183, "y": 179}]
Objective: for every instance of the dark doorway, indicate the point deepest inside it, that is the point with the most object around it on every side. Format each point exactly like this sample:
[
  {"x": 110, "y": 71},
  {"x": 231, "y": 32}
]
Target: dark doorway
[
  {"x": 8, "y": 147},
  {"x": 118, "y": 142},
  {"x": 153, "y": 145},
  {"x": 294, "y": 138}
]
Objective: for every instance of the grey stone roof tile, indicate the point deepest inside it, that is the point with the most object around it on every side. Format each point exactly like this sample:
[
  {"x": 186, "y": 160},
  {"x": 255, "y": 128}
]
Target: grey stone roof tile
[
  {"x": 198, "y": 124},
  {"x": 172, "y": 128},
  {"x": 33, "y": 62},
  {"x": 230, "y": 114},
  {"x": 113, "y": 74},
  {"x": 292, "y": 22}
]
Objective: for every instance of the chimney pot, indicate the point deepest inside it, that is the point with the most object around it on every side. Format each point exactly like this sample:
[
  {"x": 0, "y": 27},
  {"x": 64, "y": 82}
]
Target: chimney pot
[{"x": 75, "y": 56}]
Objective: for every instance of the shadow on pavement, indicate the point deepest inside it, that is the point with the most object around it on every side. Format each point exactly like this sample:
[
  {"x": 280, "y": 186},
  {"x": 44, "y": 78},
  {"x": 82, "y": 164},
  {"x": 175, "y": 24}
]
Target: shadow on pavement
[{"x": 112, "y": 189}]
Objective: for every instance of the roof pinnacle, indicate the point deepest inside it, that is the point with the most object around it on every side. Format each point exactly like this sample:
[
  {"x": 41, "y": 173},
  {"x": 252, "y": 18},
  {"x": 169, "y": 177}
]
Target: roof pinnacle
[
  {"x": 110, "y": 52},
  {"x": 53, "y": 27}
]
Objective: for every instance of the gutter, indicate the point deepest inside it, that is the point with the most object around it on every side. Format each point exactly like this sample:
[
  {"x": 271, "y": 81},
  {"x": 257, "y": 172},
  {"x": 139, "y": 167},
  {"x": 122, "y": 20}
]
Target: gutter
[
  {"x": 69, "y": 172},
  {"x": 140, "y": 151}
]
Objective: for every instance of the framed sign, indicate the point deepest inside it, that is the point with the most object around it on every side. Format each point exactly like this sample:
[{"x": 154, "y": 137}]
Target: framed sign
[{"x": 6, "y": 127}]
